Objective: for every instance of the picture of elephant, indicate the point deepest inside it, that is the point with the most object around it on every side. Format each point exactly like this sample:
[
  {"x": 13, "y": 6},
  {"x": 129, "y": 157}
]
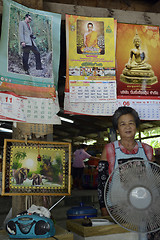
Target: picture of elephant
[
  {"x": 20, "y": 175},
  {"x": 37, "y": 179}
]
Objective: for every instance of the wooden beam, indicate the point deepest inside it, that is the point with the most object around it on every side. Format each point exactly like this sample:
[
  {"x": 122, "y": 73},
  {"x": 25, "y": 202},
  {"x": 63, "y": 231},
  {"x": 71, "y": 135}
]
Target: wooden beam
[
  {"x": 35, "y": 4},
  {"x": 127, "y": 2},
  {"x": 155, "y": 7}
]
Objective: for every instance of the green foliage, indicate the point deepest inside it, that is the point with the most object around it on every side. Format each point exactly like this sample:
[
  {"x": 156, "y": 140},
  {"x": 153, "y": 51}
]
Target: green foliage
[
  {"x": 41, "y": 27},
  {"x": 55, "y": 169},
  {"x": 154, "y": 141},
  {"x": 20, "y": 155},
  {"x": 59, "y": 162},
  {"x": 151, "y": 132},
  {"x": 16, "y": 159},
  {"x": 29, "y": 174},
  {"x": 16, "y": 165},
  {"x": 39, "y": 169},
  {"x": 46, "y": 159},
  {"x": 49, "y": 169}
]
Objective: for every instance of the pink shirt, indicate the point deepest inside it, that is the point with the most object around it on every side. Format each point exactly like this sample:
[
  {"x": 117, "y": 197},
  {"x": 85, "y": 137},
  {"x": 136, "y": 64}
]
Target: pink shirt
[
  {"x": 110, "y": 153},
  {"x": 79, "y": 156}
]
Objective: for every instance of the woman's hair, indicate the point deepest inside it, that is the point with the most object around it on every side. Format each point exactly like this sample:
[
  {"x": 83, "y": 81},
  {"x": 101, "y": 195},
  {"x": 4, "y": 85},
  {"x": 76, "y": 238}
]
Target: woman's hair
[
  {"x": 122, "y": 111},
  {"x": 83, "y": 146}
]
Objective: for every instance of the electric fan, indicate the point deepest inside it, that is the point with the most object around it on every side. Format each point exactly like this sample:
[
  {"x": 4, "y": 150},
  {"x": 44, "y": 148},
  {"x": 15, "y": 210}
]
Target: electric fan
[{"x": 132, "y": 196}]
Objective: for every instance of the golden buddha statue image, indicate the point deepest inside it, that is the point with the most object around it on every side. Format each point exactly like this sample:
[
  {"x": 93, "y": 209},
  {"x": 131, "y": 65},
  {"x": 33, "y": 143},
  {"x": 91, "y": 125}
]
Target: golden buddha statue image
[{"x": 137, "y": 71}]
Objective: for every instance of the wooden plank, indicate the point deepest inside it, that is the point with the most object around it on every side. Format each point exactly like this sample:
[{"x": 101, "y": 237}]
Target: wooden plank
[
  {"x": 61, "y": 234},
  {"x": 76, "y": 227},
  {"x": 39, "y": 142}
]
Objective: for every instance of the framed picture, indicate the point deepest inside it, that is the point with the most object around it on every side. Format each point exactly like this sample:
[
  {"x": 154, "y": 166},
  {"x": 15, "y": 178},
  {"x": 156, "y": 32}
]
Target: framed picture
[{"x": 36, "y": 168}]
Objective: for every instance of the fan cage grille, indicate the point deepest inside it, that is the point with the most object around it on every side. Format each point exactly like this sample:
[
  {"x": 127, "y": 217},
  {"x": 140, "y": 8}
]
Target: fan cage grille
[{"x": 124, "y": 178}]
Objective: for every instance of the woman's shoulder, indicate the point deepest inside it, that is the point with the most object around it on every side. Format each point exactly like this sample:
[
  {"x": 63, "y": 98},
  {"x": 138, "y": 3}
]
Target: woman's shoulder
[
  {"x": 111, "y": 144},
  {"x": 148, "y": 150},
  {"x": 107, "y": 150},
  {"x": 146, "y": 145},
  {"x": 110, "y": 147}
]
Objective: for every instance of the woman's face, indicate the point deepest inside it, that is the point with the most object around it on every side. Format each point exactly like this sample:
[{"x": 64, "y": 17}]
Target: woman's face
[{"x": 126, "y": 126}]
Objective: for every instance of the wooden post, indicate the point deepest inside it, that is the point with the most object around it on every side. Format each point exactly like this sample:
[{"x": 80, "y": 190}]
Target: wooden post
[
  {"x": 22, "y": 203},
  {"x": 19, "y": 203}
]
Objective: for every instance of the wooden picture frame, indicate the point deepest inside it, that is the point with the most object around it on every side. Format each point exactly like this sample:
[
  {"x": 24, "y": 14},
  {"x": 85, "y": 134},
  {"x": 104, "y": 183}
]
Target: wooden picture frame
[{"x": 36, "y": 168}]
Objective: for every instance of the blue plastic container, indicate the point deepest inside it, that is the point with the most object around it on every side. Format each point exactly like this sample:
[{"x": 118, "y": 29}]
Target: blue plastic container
[{"x": 81, "y": 212}]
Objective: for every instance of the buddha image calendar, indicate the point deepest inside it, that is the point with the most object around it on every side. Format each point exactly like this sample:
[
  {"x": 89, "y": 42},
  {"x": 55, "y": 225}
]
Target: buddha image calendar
[
  {"x": 90, "y": 56},
  {"x": 137, "y": 60}
]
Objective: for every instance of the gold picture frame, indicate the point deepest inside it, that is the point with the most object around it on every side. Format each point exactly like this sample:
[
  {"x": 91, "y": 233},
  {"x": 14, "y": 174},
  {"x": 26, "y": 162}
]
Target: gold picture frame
[{"x": 36, "y": 168}]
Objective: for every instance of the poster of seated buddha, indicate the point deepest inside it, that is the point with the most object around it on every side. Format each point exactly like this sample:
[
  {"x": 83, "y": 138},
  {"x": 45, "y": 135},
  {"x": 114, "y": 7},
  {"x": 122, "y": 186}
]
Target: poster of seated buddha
[{"x": 137, "y": 54}]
